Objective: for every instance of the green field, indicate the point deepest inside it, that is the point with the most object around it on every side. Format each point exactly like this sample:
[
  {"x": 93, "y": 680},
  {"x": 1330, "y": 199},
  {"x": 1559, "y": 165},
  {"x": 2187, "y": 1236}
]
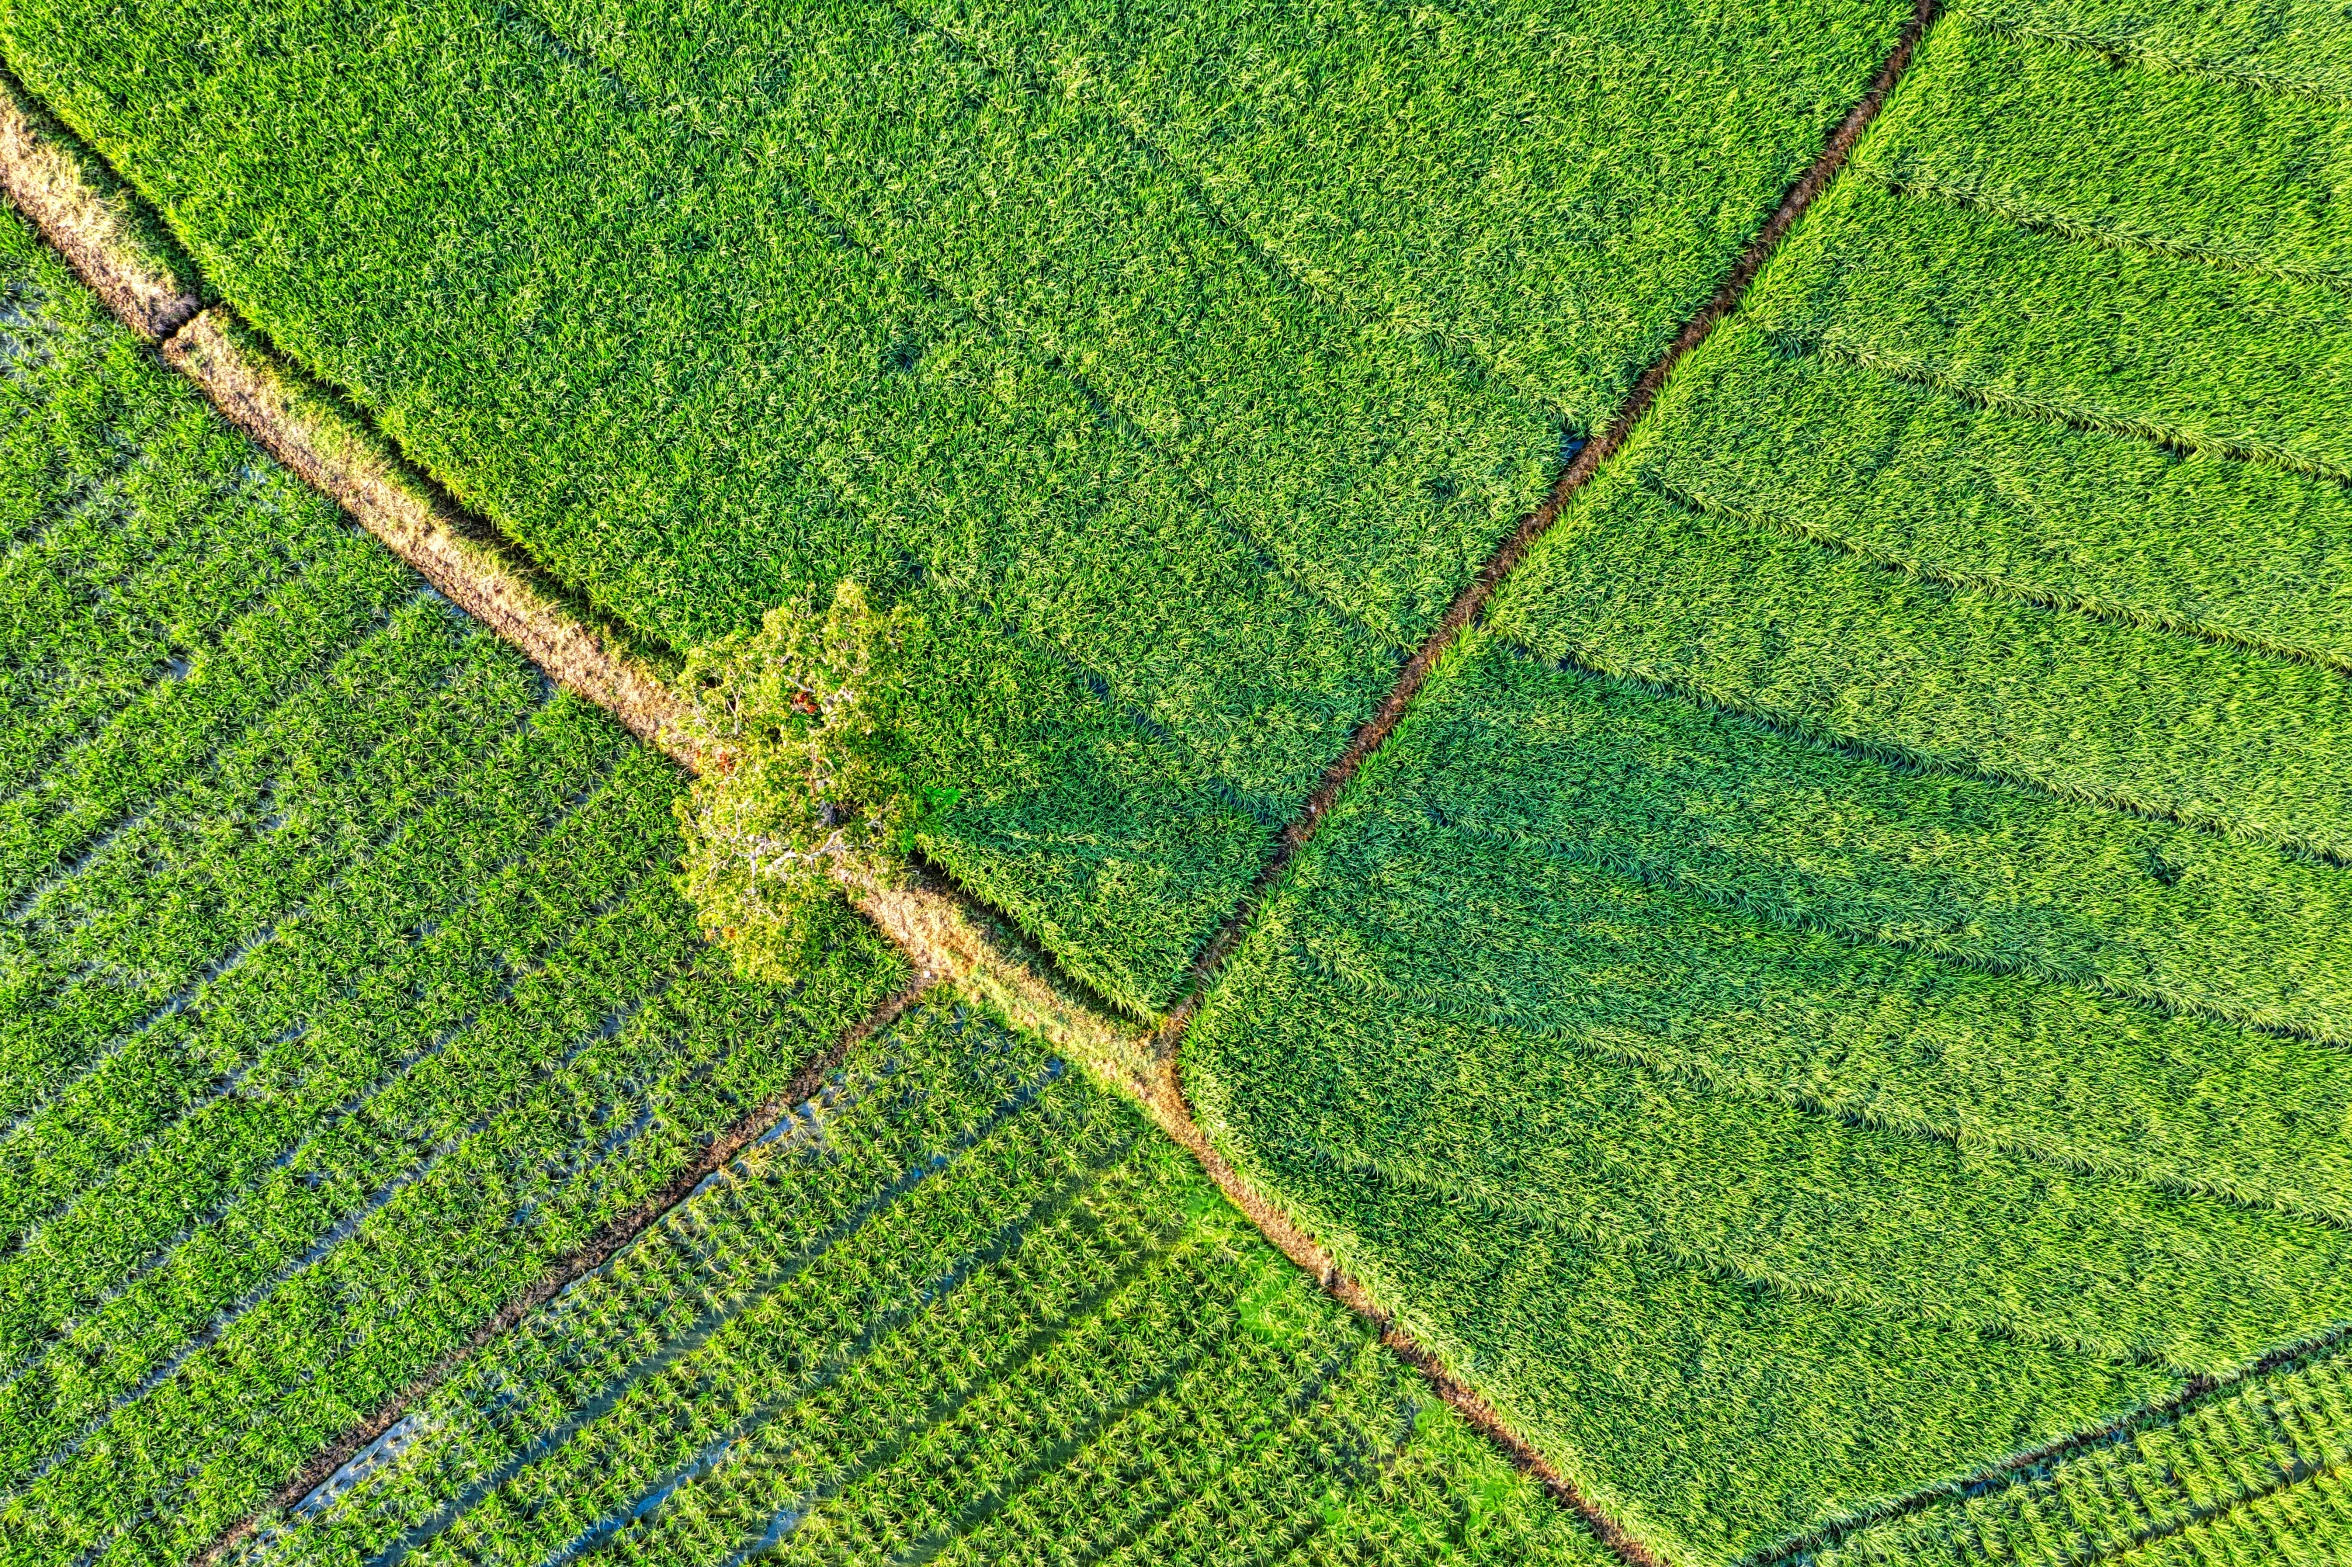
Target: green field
[
  {"x": 1182, "y": 434},
  {"x": 347, "y": 992},
  {"x": 1831, "y": 1014},
  {"x": 1843, "y": 981},
  {"x": 960, "y": 1307}
]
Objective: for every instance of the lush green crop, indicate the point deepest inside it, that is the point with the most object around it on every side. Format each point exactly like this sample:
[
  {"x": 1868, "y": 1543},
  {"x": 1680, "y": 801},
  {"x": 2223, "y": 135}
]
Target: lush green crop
[
  {"x": 1733, "y": 1019},
  {"x": 2293, "y": 46},
  {"x": 964, "y": 1307},
  {"x": 1544, "y": 192},
  {"x": 1176, "y": 454},
  {"x": 1587, "y": 1131},
  {"x": 1984, "y": 121},
  {"x": 1824, "y": 642},
  {"x": 2194, "y": 542},
  {"x": 2252, "y": 1473},
  {"x": 344, "y": 985},
  {"x": 2135, "y": 618}
]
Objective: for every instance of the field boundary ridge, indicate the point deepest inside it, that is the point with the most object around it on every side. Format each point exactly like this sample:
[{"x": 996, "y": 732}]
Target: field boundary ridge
[
  {"x": 102, "y": 233},
  {"x": 337, "y": 456}
]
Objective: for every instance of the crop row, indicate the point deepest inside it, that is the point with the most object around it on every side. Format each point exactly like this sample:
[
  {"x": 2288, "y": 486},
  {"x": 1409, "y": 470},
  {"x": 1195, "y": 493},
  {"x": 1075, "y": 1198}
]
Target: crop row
[
  {"x": 2253, "y": 1472},
  {"x": 965, "y": 1307},
  {"x": 345, "y": 986},
  {"x": 1179, "y": 439}
]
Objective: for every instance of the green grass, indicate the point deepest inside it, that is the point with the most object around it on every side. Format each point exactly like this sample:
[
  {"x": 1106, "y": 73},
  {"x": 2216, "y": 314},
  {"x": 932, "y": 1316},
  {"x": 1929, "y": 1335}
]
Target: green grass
[
  {"x": 1765, "y": 842},
  {"x": 964, "y": 1308},
  {"x": 1184, "y": 437},
  {"x": 1545, "y": 193},
  {"x": 1839, "y": 982},
  {"x": 345, "y": 988},
  {"x": 2299, "y": 46},
  {"x": 2175, "y": 158}
]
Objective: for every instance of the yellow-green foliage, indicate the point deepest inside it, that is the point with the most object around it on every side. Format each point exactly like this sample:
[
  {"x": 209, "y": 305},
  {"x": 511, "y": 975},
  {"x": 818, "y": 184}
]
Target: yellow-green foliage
[{"x": 806, "y": 769}]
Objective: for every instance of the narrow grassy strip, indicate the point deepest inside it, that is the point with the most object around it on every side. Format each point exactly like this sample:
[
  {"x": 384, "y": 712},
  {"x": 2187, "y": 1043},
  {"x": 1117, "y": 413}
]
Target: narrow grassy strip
[
  {"x": 958, "y": 1296},
  {"x": 113, "y": 241},
  {"x": 1675, "y": 794},
  {"x": 1470, "y": 176},
  {"x": 1356, "y": 458},
  {"x": 2196, "y": 543},
  {"x": 2253, "y": 1472},
  {"x": 1967, "y": 678},
  {"x": 2060, "y": 138}
]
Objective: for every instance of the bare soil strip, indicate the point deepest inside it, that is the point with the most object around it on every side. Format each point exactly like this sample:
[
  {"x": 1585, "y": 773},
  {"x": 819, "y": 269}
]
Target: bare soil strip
[
  {"x": 598, "y": 1250},
  {"x": 948, "y": 936},
  {"x": 49, "y": 181}
]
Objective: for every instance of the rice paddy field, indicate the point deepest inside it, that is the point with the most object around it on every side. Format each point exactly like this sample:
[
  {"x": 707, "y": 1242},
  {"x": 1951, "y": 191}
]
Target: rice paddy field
[{"x": 1806, "y": 547}]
